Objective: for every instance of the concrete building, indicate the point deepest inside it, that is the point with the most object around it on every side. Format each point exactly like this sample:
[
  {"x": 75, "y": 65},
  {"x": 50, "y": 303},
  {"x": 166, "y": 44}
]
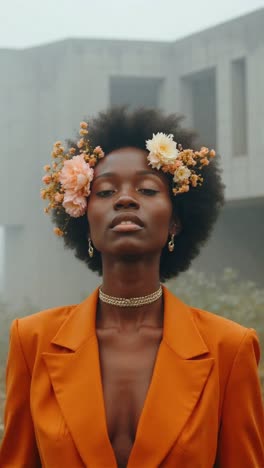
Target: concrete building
[{"x": 215, "y": 78}]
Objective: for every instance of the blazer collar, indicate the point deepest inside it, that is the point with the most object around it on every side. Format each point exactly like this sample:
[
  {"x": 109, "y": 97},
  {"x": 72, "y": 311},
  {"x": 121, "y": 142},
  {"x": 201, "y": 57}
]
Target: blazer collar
[
  {"x": 180, "y": 332},
  {"x": 175, "y": 388}
]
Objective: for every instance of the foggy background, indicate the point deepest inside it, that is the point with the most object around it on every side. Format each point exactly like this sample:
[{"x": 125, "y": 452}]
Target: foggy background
[
  {"x": 66, "y": 60},
  {"x": 62, "y": 61},
  {"x": 29, "y": 23}
]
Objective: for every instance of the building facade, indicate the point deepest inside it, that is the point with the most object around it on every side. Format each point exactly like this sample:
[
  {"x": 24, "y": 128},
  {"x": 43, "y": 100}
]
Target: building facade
[{"x": 214, "y": 78}]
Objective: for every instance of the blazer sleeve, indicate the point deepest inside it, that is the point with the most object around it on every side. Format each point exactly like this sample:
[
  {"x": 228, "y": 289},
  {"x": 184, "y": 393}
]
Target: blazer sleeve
[
  {"x": 18, "y": 448},
  {"x": 241, "y": 436}
]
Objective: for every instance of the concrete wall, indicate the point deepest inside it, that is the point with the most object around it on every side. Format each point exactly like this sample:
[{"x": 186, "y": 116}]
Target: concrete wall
[
  {"x": 216, "y": 48},
  {"x": 45, "y": 92}
]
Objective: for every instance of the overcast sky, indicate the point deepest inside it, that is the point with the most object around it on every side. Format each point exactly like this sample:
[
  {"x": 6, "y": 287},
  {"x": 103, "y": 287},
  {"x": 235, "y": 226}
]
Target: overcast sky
[{"x": 25, "y": 23}]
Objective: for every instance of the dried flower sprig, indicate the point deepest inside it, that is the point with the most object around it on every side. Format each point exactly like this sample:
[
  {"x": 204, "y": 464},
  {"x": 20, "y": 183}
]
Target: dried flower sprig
[
  {"x": 67, "y": 180},
  {"x": 179, "y": 162}
]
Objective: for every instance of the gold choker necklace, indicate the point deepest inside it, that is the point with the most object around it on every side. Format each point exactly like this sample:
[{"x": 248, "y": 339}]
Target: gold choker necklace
[{"x": 130, "y": 302}]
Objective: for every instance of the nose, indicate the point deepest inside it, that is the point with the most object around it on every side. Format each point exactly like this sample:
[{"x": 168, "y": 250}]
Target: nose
[{"x": 126, "y": 201}]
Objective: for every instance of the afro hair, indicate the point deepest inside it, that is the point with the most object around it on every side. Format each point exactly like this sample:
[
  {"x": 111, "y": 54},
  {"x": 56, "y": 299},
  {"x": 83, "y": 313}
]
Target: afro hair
[{"x": 197, "y": 209}]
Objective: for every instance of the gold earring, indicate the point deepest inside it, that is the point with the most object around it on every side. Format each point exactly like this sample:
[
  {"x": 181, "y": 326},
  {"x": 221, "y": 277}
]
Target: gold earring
[
  {"x": 171, "y": 243},
  {"x": 90, "y": 249}
]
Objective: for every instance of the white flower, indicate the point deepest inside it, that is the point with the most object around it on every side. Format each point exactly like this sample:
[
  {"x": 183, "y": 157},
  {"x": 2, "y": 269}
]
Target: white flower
[
  {"x": 162, "y": 150},
  {"x": 181, "y": 174}
]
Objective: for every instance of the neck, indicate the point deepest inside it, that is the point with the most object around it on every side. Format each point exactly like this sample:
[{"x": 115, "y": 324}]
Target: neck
[{"x": 129, "y": 279}]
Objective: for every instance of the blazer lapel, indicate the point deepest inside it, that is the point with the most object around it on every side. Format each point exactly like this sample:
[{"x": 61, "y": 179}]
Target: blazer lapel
[
  {"x": 177, "y": 382},
  {"x": 75, "y": 375}
]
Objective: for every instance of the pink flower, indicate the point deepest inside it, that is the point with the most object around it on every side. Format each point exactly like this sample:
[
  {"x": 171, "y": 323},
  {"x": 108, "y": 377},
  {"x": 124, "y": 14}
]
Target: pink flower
[
  {"x": 74, "y": 204},
  {"x": 76, "y": 176}
]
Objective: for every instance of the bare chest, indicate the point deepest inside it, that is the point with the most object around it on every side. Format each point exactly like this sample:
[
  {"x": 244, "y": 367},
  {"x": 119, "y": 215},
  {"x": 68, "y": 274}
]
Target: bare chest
[{"x": 127, "y": 363}]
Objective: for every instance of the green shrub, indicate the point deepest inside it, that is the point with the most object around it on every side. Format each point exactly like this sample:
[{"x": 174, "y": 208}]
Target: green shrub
[{"x": 226, "y": 295}]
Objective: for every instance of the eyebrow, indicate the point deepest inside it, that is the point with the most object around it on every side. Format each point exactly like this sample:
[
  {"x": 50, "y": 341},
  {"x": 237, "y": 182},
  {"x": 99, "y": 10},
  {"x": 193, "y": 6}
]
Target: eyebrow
[{"x": 140, "y": 173}]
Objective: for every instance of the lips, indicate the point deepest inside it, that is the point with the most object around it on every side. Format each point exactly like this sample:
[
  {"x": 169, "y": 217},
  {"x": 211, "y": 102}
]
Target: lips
[{"x": 126, "y": 223}]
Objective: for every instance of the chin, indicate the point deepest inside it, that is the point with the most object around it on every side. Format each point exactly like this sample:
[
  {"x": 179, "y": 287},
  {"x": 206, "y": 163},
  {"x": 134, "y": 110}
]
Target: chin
[
  {"x": 139, "y": 251},
  {"x": 127, "y": 247}
]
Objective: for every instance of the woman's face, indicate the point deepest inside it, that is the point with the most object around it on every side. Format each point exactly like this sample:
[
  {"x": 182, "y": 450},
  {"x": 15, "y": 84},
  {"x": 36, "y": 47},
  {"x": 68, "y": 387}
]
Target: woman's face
[{"x": 129, "y": 208}]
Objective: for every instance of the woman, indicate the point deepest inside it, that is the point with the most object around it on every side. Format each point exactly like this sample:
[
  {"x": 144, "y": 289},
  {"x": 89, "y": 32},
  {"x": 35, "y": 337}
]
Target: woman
[{"x": 132, "y": 377}]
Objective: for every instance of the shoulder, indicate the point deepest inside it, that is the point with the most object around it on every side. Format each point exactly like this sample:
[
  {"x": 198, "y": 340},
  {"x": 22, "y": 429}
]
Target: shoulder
[
  {"x": 221, "y": 327},
  {"x": 35, "y": 332},
  {"x": 217, "y": 332},
  {"x": 47, "y": 320},
  {"x": 224, "y": 337}
]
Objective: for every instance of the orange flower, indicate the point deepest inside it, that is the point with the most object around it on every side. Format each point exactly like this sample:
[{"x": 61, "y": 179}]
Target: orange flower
[
  {"x": 80, "y": 143},
  {"x": 83, "y": 132},
  {"x": 92, "y": 162},
  {"x": 55, "y": 177},
  {"x": 57, "y": 151},
  {"x": 84, "y": 125},
  {"x": 167, "y": 169},
  {"x": 43, "y": 194},
  {"x": 98, "y": 152},
  {"x": 46, "y": 179},
  {"x": 58, "y": 232},
  {"x": 194, "y": 179},
  {"x": 184, "y": 188},
  {"x": 204, "y": 151},
  {"x": 58, "y": 197}
]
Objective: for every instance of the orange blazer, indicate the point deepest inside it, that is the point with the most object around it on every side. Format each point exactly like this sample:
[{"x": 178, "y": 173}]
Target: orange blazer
[{"x": 203, "y": 407}]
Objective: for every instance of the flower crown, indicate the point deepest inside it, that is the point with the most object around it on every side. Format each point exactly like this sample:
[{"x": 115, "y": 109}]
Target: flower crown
[{"x": 68, "y": 178}]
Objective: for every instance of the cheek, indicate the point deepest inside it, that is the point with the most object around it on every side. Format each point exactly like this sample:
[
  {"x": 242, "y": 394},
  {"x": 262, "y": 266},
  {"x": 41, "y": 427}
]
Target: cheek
[
  {"x": 164, "y": 212},
  {"x": 162, "y": 221}
]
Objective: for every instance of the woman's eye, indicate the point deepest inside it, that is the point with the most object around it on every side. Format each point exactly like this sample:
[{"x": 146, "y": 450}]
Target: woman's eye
[
  {"x": 104, "y": 193},
  {"x": 148, "y": 191}
]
